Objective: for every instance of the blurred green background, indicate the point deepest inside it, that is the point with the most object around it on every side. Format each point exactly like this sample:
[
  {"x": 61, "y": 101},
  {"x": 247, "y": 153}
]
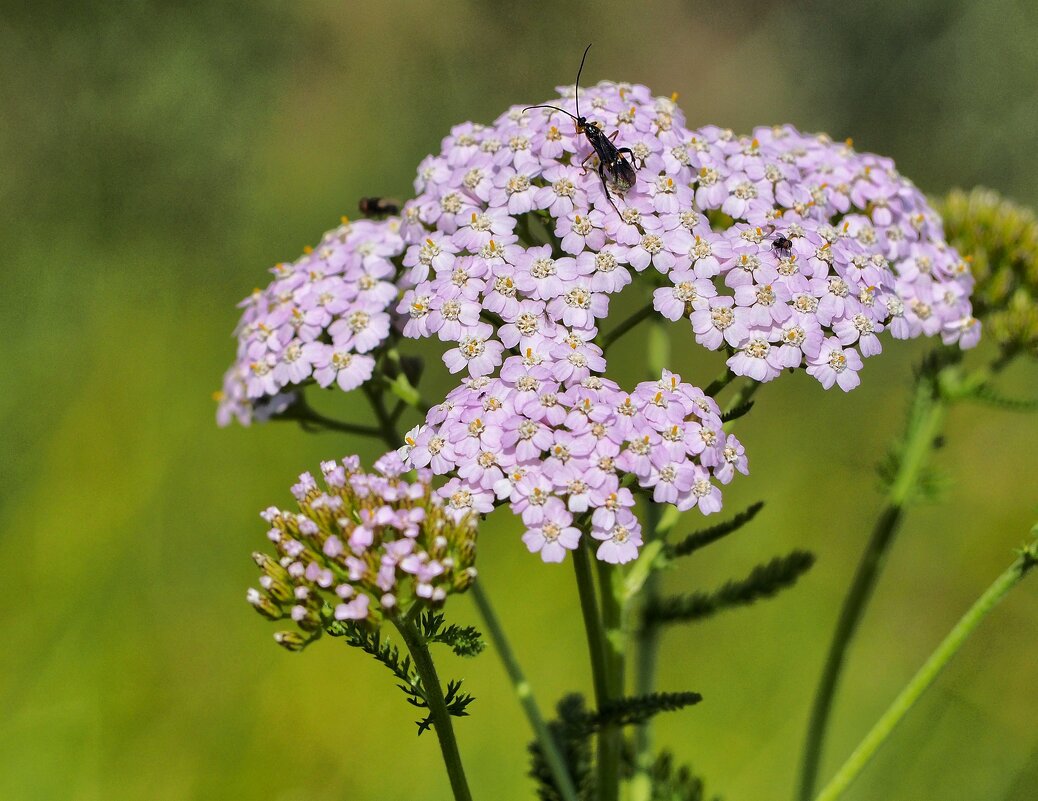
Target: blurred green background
[{"x": 156, "y": 158}]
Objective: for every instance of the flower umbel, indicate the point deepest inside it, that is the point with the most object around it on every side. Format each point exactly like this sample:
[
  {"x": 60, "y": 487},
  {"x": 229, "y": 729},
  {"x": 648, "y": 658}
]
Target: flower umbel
[
  {"x": 769, "y": 243},
  {"x": 364, "y": 546},
  {"x": 320, "y": 321}
]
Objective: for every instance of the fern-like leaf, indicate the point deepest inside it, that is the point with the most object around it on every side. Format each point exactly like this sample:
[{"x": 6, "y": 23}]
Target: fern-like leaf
[
  {"x": 637, "y": 709},
  {"x": 985, "y": 394},
  {"x": 764, "y": 581},
  {"x": 737, "y": 412},
  {"x": 463, "y": 640},
  {"x": 671, "y": 783},
  {"x": 698, "y": 539},
  {"x": 574, "y": 743},
  {"x": 457, "y": 701}
]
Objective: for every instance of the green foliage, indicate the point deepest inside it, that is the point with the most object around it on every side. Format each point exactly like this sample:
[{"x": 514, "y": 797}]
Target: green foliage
[
  {"x": 457, "y": 703},
  {"x": 359, "y": 635},
  {"x": 463, "y": 640},
  {"x": 573, "y": 732},
  {"x": 764, "y": 581},
  {"x": 637, "y": 709},
  {"x": 670, "y": 783},
  {"x": 737, "y": 412},
  {"x": 986, "y": 394},
  {"x": 573, "y": 740},
  {"x": 370, "y": 640},
  {"x": 937, "y": 381},
  {"x": 698, "y": 539}
]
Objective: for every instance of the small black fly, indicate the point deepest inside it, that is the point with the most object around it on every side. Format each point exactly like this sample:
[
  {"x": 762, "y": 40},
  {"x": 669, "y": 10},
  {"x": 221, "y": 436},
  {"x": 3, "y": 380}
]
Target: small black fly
[
  {"x": 782, "y": 245},
  {"x": 375, "y": 207},
  {"x": 612, "y": 164}
]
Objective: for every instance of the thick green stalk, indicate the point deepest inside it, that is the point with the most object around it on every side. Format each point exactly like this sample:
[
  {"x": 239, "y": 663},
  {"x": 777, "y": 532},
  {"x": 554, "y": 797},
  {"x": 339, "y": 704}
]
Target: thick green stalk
[
  {"x": 611, "y": 736},
  {"x": 609, "y": 743},
  {"x": 386, "y": 423},
  {"x": 419, "y": 650},
  {"x": 646, "y": 664},
  {"x": 523, "y": 691},
  {"x": 925, "y": 420},
  {"x": 647, "y": 637},
  {"x": 927, "y": 674},
  {"x": 311, "y": 419}
]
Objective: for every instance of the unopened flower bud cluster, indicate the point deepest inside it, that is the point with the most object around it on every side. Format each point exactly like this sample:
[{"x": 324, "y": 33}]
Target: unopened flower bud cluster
[
  {"x": 1000, "y": 239},
  {"x": 362, "y": 546}
]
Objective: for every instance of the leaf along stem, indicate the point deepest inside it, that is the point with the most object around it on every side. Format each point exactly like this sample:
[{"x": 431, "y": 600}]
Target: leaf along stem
[{"x": 433, "y": 694}]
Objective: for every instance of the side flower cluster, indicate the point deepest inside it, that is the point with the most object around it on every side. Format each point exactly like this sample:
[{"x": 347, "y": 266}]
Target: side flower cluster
[
  {"x": 1000, "y": 239},
  {"x": 786, "y": 249},
  {"x": 320, "y": 320},
  {"x": 563, "y": 453},
  {"x": 363, "y": 546}
]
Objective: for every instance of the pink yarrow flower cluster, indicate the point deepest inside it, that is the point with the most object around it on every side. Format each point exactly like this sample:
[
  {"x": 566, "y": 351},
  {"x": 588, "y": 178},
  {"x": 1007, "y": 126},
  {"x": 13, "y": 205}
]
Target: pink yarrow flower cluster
[
  {"x": 361, "y": 546},
  {"x": 558, "y": 451},
  {"x": 321, "y": 320},
  {"x": 785, "y": 249}
]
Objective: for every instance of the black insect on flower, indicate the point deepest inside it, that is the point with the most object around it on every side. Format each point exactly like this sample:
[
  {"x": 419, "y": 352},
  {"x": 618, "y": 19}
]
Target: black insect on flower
[
  {"x": 613, "y": 166},
  {"x": 782, "y": 245},
  {"x": 377, "y": 207}
]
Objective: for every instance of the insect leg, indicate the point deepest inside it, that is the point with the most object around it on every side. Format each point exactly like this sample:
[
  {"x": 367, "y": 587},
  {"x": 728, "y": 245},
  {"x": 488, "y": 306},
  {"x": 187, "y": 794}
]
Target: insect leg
[
  {"x": 629, "y": 152},
  {"x": 605, "y": 188},
  {"x": 583, "y": 164}
]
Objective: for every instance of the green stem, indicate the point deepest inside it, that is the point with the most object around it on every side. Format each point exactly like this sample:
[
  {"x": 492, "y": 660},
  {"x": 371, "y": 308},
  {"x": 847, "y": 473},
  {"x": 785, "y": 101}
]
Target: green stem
[
  {"x": 719, "y": 383},
  {"x": 646, "y": 665},
  {"x": 611, "y": 736},
  {"x": 386, "y": 423},
  {"x": 643, "y": 313},
  {"x": 523, "y": 691},
  {"x": 608, "y": 767},
  {"x": 746, "y": 390},
  {"x": 522, "y": 230},
  {"x": 441, "y": 718},
  {"x": 648, "y": 632},
  {"x": 927, "y": 674},
  {"x": 302, "y": 413},
  {"x": 592, "y": 623},
  {"x": 925, "y": 420}
]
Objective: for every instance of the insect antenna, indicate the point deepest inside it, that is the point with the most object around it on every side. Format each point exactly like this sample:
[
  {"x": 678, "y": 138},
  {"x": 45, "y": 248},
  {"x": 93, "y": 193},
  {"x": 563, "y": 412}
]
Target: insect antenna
[
  {"x": 576, "y": 85},
  {"x": 545, "y": 105}
]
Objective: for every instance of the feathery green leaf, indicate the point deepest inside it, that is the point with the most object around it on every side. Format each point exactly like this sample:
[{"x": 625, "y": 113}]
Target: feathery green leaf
[
  {"x": 737, "y": 412},
  {"x": 698, "y": 539},
  {"x": 764, "y": 581}
]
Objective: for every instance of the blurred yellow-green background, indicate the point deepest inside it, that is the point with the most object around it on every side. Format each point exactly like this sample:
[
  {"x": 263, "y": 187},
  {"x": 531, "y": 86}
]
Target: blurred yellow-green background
[{"x": 156, "y": 158}]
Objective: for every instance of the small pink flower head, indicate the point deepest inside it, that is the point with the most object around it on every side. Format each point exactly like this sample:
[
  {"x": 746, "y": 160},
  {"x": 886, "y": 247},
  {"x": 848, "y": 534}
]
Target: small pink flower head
[{"x": 322, "y": 318}]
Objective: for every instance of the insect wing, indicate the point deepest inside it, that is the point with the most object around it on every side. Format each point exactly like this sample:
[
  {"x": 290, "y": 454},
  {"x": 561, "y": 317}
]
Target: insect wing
[{"x": 621, "y": 173}]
